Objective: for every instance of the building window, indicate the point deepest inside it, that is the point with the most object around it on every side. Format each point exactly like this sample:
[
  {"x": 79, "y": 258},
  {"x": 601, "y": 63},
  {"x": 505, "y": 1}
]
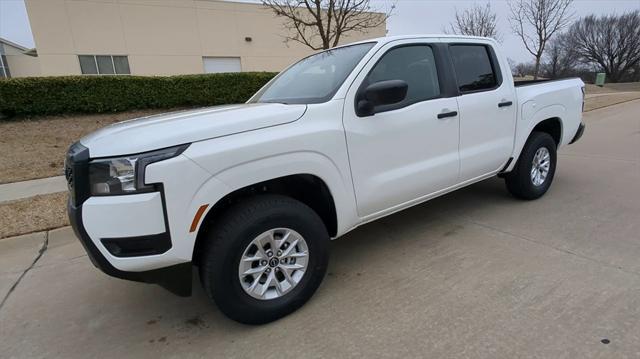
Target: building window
[
  {"x": 221, "y": 64},
  {"x": 104, "y": 65},
  {"x": 4, "y": 68}
]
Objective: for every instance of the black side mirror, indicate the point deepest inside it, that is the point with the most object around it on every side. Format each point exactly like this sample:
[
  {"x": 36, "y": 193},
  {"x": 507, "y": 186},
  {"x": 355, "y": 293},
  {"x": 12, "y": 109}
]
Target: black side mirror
[{"x": 381, "y": 93}]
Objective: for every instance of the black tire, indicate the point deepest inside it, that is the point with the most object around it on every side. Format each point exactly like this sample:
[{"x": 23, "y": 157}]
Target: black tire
[
  {"x": 519, "y": 182},
  {"x": 233, "y": 233}
]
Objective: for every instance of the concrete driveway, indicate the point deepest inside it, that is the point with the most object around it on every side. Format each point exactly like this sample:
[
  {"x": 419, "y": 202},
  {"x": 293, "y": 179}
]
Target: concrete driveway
[{"x": 472, "y": 274}]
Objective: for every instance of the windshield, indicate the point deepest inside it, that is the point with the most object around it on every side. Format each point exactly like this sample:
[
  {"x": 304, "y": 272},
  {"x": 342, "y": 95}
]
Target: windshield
[{"x": 314, "y": 79}]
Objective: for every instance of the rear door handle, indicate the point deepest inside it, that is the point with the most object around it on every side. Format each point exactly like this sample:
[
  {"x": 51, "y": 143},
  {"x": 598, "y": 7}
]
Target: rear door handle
[
  {"x": 505, "y": 104},
  {"x": 448, "y": 114}
]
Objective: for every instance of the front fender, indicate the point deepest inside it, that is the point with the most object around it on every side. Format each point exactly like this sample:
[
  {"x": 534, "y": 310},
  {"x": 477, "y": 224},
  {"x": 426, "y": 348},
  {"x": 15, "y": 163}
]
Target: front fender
[{"x": 267, "y": 168}]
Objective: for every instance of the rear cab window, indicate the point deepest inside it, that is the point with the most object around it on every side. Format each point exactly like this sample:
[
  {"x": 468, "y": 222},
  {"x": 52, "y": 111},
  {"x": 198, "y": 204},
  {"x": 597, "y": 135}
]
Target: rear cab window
[{"x": 475, "y": 67}]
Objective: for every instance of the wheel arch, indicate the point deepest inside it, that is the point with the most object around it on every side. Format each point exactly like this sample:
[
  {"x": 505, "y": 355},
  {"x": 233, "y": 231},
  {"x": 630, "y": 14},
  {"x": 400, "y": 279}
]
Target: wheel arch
[
  {"x": 306, "y": 188},
  {"x": 552, "y": 126},
  {"x": 311, "y": 177},
  {"x": 548, "y": 119}
]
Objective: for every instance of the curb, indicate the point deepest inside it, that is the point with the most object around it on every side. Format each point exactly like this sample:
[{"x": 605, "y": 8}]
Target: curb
[{"x": 26, "y": 189}]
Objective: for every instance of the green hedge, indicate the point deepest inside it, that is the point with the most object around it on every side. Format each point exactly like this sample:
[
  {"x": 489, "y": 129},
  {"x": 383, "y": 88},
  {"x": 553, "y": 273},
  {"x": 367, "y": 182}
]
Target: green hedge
[{"x": 93, "y": 94}]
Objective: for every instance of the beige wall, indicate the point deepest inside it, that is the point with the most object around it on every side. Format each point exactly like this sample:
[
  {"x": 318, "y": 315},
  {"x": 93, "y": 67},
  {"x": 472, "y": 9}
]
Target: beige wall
[
  {"x": 20, "y": 65},
  {"x": 161, "y": 37},
  {"x": 23, "y": 65}
]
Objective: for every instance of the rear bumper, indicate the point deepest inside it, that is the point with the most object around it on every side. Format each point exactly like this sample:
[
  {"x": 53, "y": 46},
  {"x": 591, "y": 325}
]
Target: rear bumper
[
  {"x": 176, "y": 278},
  {"x": 578, "y": 133}
]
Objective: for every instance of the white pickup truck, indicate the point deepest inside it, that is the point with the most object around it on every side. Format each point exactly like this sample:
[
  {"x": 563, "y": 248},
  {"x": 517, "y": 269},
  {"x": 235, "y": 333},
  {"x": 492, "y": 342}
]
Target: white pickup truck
[{"x": 251, "y": 194}]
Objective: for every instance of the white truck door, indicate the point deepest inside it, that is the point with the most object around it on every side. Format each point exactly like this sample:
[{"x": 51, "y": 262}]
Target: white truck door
[
  {"x": 404, "y": 151},
  {"x": 487, "y": 109}
]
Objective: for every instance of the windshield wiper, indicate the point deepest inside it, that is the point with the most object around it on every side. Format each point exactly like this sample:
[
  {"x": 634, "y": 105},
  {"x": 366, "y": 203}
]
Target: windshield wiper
[{"x": 275, "y": 101}]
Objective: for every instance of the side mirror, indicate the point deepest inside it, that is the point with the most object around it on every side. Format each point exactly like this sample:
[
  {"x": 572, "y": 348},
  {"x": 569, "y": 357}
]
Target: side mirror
[{"x": 381, "y": 93}]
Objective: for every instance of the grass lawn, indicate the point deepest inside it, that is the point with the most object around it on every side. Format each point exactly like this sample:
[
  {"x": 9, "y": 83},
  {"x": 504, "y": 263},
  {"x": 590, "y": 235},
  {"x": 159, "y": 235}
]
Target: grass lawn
[
  {"x": 608, "y": 99},
  {"x": 35, "y": 148},
  {"x": 33, "y": 214},
  {"x": 608, "y": 88}
]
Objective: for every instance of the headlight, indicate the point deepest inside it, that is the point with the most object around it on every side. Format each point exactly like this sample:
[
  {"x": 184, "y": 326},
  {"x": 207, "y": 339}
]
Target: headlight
[{"x": 125, "y": 175}]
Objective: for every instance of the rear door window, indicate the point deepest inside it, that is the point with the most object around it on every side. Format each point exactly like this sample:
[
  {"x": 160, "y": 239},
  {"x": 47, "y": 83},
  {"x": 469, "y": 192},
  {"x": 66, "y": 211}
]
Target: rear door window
[{"x": 474, "y": 68}]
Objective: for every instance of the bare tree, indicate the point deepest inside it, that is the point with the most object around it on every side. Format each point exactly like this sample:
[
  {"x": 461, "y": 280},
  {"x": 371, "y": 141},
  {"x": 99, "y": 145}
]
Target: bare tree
[
  {"x": 634, "y": 74},
  {"x": 536, "y": 21},
  {"x": 320, "y": 24},
  {"x": 477, "y": 20},
  {"x": 611, "y": 41},
  {"x": 512, "y": 65},
  {"x": 522, "y": 70},
  {"x": 561, "y": 57}
]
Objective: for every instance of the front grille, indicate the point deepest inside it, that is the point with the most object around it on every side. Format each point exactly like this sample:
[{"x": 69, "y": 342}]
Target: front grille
[
  {"x": 76, "y": 172},
  {"x": 68, "y": 174}
]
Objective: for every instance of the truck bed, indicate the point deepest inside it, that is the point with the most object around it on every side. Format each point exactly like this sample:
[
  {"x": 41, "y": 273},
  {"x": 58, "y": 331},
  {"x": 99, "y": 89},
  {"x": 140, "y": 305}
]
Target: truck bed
[
  {"x": 520, "y": 83},
  {"x": 539, "y": 98}
]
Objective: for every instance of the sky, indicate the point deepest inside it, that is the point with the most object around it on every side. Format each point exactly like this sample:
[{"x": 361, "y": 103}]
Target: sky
[{"x": 409, "y": 17}]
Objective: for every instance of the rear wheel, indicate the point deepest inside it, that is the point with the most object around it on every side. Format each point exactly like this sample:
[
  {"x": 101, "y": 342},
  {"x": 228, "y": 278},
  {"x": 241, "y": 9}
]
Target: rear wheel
[
  {"x": 264, "y": 259},
  {"x": 534, "y": 171}
]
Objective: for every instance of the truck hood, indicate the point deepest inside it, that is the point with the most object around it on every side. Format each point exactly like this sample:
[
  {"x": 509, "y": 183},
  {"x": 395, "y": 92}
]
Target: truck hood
[{"x": 175, "y": 128}]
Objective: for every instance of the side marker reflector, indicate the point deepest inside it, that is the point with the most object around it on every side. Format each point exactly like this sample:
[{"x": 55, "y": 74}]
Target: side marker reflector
[{"x": 196, "y": 218}]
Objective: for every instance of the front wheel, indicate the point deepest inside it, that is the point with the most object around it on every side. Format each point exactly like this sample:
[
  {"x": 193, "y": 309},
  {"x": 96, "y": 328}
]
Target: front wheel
[
  {"x": 534, "y": 171},
  {"x": 264, "y": 259}
]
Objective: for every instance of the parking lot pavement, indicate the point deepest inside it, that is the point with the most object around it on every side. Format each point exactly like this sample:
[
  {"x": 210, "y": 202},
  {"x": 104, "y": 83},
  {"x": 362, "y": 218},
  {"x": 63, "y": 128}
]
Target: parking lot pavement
[{"x": 472, "y": 274}]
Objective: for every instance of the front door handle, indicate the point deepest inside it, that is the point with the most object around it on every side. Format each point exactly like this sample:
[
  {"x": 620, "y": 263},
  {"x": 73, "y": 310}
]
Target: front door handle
[
  {"x": 505, "y": 104},
  {"x": 448, "y": 114}
]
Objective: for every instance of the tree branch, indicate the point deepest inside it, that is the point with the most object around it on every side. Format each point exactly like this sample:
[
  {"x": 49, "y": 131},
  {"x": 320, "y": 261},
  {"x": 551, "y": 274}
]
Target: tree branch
[{"x": 320, "y": 24}]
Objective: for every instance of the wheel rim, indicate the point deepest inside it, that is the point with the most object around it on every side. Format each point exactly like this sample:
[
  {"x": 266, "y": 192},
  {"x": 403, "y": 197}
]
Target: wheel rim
[
  {"x": 273, "y": 263},
  {"x": 540, "y": 166}
]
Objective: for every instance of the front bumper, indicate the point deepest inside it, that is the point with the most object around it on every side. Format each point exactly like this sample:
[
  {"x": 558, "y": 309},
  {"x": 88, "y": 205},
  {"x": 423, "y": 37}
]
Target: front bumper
[
  {"x": 578, "y": 133},
  {"x": 176, "y": 278}
]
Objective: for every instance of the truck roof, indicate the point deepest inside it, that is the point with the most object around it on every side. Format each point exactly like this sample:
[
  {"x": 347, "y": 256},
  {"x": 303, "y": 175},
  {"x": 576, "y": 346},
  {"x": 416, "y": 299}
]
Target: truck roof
[{"x": 386, "y": 39}]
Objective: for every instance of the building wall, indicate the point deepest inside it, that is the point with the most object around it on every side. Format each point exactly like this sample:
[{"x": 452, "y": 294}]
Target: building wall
[
  {"x": 20, "y": 65},
  {"x": 162, "y": 37}
]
